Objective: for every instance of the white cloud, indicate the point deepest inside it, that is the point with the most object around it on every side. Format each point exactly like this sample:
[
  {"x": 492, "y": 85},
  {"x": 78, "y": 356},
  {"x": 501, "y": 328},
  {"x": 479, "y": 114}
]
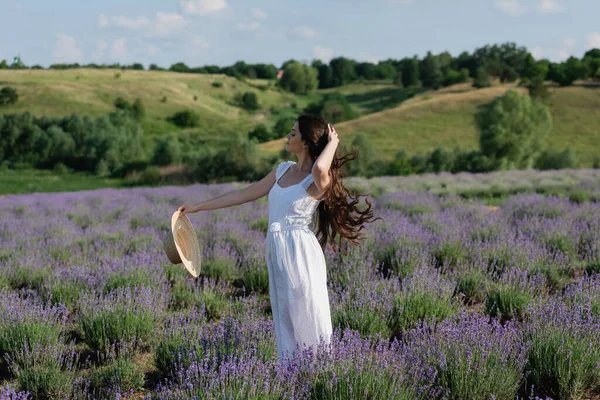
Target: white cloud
[
  {"x": 258, "y": 13},
  {"x": 537, "y": 52},
  {"x": 103, "y": 21},
  {"x": 593, "y": 40},
  {"x": 322, "y": 53},
  {"x": 202, "y": 7},
  {"x": 249, "y": 27},
  {"x": 550, "y": 6},
  {"x": 167, "y": 23},
  {"x": 101, "y": 47},
  {"x": 122, "y": 21},
  {"x": 305, "y": 32},
  {"x": 118, "y": 51},
  {"x": 198, "y": 42},
  {"x": 511, "y": 7},
  {"x": 66, "y": 50},
  {"x": 164, "y": 24}
]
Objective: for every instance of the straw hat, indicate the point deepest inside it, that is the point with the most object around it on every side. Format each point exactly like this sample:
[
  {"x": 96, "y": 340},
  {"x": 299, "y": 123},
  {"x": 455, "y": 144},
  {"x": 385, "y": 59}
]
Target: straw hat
[{"x": 181, "y": 244}]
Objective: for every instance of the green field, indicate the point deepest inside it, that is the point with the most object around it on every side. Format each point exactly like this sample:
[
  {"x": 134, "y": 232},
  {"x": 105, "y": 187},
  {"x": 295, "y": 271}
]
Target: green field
[{"x": 391, "y": 119}]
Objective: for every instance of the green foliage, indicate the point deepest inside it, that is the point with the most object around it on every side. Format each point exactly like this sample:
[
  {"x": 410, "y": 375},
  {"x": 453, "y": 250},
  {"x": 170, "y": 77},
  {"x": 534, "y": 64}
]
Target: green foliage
[
  {"x": 15, "y": 335},
  {"x": 563, "y": 364},
  {"x": 557, "y": 159},
  {"x": 137, "y": 109},
  {"x": 472, "y": 286},
  {"x": 342, "y": 71},
  {"x": 121, "y": 373},
  {"x": 408, "y": 309},
  {"x": 453, "y": 77},
  {"x": 45, "y": 372},
  {"x": 538, "y": 90},
  {"x": 567, "y": 72},
  {"x": 513, "y": 130},
  {"x": 398, "y": 79},
  {"x": 150, "y": 176},
  {"x": 507, "y": 301},
  {"x": 260, "y": 133},
  {"x": 351, "y": 383},
  {"x": 431, "y": 75},
  {"x": 482, "y": 79},
  {"x": 167, "y": 151},
  {"x": 411, "y": 73},
  {"x": 362, "y": 165},
  {"x": 101, "y": 328},
  {"x": 185, "y": 119},
  {"x": 250, "y": 101},
  {"x": 8, "y": 96},
  {"x": 299, "y": 78},
  {"x": 283, "y": 126},
  {"x": 333, "y": 107}
]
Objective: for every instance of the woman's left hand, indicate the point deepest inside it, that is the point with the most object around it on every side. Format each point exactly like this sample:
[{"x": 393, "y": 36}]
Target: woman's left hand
[{"x": 332, "y": 135}]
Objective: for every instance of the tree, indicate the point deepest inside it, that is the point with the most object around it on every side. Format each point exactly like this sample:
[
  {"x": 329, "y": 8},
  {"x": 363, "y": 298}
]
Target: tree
[
  {"x": 179, "y": 67},
  {"x": 8, "y": 96},
  {"x": 138, "y": 110},
  {"x": 299, "y": 78},
  {"x": 250, "y": 101},
  {"x": 362, "y": 165},
  {"x": 283, "y": 126},
  {"x": 410, "y": 72},
  {"x": 513, "y": 129},
  {"x": 343, "y": 71},
  {"x": 185, "y": 119},
  {"x": 3, "y": 64},
  {"x": 398, "y": 79},
  {"x": 260, "y": 133},
  {"x": 167, "y": 151},
  {"x": 482, "y": 79}
]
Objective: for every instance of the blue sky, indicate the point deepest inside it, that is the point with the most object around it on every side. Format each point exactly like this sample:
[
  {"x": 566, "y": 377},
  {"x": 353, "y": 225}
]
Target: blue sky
[{"x": 200, "y": 32}]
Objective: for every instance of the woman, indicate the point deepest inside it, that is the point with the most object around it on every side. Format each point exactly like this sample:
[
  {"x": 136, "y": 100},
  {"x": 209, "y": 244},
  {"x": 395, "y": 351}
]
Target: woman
[{"x": 295, "y": 259}]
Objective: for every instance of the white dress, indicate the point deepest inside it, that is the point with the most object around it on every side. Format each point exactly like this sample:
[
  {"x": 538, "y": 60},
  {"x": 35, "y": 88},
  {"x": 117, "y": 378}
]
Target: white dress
[{"x": 296, "y": 265}]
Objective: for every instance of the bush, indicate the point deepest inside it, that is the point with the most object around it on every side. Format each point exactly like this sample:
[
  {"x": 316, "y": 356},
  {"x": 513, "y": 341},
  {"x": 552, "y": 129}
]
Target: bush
[
  {"x": 334, "y": 108},
  {"x": 150, "y": 176},
  {"x": 282, "y": 127},
  {"x": 482, "y": 79},
  {"x": 250, "y": 101},
  {"x": 217, "y": 84},
  {"x": 260, "y": 133},
  {"x": 557, "y": 160},
  {"x": 185, "y": 119},
  {"x": 453, "y": 77},
  {"x": 167, "y": 151},
  {"x": 299, "y": 78},
  {"x": 8, "y": 96}
]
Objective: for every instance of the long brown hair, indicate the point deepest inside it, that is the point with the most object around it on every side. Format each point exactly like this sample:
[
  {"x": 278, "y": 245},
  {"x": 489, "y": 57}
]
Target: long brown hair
[{"x": 338, "y": 213}]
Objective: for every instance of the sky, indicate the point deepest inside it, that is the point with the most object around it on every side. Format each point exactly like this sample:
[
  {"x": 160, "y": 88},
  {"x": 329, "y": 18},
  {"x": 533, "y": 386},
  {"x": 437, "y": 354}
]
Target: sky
[{"x": 221, "y": 32}]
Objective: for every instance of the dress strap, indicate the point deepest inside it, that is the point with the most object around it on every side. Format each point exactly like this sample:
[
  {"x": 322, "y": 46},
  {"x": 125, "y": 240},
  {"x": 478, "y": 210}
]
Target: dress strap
[
  {"x": 281, "y": 168},
  {"x": 307, "y": 181}
]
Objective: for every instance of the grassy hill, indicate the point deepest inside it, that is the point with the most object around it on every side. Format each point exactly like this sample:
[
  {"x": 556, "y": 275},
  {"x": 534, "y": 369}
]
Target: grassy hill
[
  {"x": 93, "y": 92},
  {"x": 391, "y": 119},
  {"x": 446, "y": 118}
]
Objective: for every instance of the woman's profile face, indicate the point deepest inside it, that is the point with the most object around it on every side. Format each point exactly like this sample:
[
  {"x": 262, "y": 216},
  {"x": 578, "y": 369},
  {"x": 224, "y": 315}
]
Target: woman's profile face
[{"x": 294, "y": 143}]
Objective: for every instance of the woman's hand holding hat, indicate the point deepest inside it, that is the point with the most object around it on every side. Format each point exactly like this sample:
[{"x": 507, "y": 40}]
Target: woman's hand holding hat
[{"x": 186, "y": 209}]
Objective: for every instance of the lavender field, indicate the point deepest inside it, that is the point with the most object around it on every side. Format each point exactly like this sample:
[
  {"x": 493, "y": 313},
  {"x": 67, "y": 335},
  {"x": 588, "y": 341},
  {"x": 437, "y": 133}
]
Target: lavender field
[{"x": 447, "y": 298}]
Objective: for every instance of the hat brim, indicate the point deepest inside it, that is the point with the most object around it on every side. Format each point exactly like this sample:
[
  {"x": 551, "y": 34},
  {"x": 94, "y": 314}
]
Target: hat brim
[{"x": 186, "y": 243}]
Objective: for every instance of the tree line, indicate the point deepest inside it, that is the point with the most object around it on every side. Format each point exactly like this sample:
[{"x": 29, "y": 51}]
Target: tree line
[{"x": 506, "y": 62}]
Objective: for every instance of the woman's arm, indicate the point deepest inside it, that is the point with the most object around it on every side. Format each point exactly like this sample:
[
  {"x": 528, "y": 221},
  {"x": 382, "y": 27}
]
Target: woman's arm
[
  {"x": 320, "y": 170},
  {"x": 236, "y": 197}
]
